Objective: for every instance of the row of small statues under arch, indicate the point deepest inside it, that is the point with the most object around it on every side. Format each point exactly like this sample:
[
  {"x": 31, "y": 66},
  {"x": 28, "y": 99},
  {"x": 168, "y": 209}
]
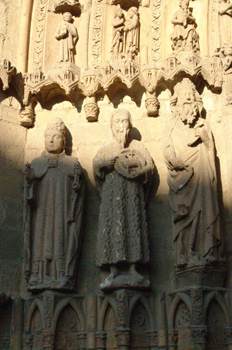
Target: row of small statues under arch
[
  {"x": 123, "y": 170},
  {"x": 125, "y": 37}
]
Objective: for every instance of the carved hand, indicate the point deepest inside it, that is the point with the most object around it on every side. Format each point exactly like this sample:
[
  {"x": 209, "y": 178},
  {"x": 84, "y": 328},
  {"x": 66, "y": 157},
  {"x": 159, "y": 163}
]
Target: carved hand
[
  {"x": 177, "y": 164},
  {"x": 202, "y": 133}
]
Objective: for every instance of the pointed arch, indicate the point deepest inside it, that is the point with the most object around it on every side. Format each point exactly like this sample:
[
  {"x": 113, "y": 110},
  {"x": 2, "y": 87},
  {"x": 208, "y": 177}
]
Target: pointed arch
[{"x": 61, "y": 306}]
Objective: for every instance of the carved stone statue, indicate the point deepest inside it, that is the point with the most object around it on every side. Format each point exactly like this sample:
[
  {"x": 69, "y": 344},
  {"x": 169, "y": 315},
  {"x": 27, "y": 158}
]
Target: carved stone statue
[
  {"x": 53, "y": 213},
  {"x": 225, "y": 19},
  {"x": 67, "y": 36},
  {"x": 190, "y": 158},
  {"x": 122, "y": 169},
  {"x": 118, "y": 33},
  {"x": 131, "y": 33},
  {"x": 184, "y": 37}
]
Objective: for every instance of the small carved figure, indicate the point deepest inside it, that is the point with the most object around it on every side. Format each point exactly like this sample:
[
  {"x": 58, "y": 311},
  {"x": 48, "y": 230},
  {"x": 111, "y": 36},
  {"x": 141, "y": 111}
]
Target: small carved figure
[
  {"x": 184, "y": 37},
  {"x": 53, "y": 212},
  {"x": 190, "y": 158},
  {"x": 117, "y": 38},
  {"x": 225, "y": 19},
  {"x": 131, "y": 33},
  {"x": 122, "y": 169},
  {"x": 67, "y": 36}
]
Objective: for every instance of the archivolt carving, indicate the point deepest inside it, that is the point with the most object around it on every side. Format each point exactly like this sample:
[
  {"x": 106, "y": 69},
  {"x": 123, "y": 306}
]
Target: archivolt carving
[
  {"x": 97, "y": 33},
  {"x": 156, "y": 30},
  {"x": 39, "y": 34}
]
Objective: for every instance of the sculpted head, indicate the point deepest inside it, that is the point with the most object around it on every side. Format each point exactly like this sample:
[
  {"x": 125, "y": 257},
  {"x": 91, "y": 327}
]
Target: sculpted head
[
  {"x": 67, "y": 17},
  {"x": 121, "y": 125},
  {"x": 184, "y": 4},
  {"x": 55, "y": 136},
  {"x": 118, "y": 11},
  {"x": 132, "y": 11},
  {"x": 187, "y": 102}
]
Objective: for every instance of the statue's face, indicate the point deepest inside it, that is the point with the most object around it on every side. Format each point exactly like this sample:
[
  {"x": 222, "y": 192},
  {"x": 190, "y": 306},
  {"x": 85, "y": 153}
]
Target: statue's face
[
  {"x": 67, "y": 17},
  {"x": 54, "y": 141},
  {"x": 130, "y": 13},
  {"x": 119, "y": 13},
  {"x": 121, "y": 127},
  {"x": 187, "y": 107}
]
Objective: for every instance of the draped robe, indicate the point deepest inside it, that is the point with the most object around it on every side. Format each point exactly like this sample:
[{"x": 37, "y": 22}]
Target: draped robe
[{"x": 52, "y": 220}]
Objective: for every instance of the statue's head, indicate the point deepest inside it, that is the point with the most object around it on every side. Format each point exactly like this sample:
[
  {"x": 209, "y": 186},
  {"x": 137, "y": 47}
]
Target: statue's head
[
  {"x": 118, "y": 11},
  {"x": 187, "y": 102},
  {"x": 121, "y": 125},
  {"x": 55, "y": 136},
  {"x": 132, "y": 11},
  {"x": 67, "y": 17},
  {"x": 184, "y": 4}
]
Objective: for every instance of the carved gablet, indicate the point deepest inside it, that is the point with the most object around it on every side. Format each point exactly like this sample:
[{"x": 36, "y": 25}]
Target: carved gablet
[
  {"x": 190, "y": 158},
  {"x": 53, "y": 213},
  {"x": 122, "y": 170}
]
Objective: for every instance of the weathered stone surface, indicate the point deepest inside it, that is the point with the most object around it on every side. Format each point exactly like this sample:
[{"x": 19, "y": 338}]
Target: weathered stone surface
[{"x": 129, "y": 55}]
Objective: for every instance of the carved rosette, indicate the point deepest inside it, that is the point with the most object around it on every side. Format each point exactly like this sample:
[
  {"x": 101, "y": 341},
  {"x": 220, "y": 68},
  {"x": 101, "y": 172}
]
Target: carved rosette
[
  {"x": 152, "y": 106},
  {"x": 123, "y": 338},
  {"x": 101, "y": 338}
]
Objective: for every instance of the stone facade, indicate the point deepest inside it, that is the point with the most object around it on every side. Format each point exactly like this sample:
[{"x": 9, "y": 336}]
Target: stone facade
[{"x": 124, "y": 242}]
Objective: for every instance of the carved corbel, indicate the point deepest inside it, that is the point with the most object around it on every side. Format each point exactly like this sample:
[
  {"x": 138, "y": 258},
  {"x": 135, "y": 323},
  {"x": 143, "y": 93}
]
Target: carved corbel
[
  {"x": 27, "y": 115},
  {"x": 91, "y": 109},
  {"x": 6, "y": 73},
  {"x": 152, "y": 105}
]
